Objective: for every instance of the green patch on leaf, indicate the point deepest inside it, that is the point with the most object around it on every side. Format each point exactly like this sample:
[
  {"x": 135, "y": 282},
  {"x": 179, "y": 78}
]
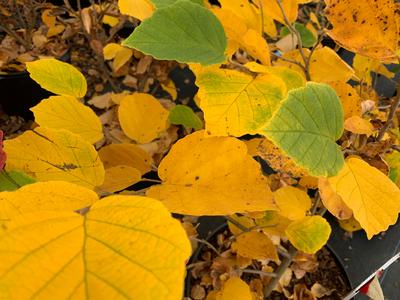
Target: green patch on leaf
[
  {"x": 183, "y": 31},
  {"x": 306, "y": 126},
  {"x": 307, "y": 37},
  {"x": 13, "y": 180},
  {"x": 309, "y": 234},
  {"x": 184, "y": 115}
]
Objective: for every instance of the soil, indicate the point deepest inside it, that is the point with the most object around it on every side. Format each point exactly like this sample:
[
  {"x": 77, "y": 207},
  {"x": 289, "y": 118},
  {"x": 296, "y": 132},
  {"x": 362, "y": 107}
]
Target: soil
[{"x": 203, "y": 275}]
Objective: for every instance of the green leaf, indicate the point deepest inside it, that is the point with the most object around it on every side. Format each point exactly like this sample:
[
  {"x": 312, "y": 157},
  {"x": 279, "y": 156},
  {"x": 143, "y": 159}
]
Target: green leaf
[
  {"x": 306, "y": 126},
  {"x": 307, "y": 37},
  {"x": 309, "y": 234},
  {"x": 164, "y": 3},
  {"x": 13, "y": 180},
  {"x": 183, "y": 31},
  {"x": 184, "y": 115}
]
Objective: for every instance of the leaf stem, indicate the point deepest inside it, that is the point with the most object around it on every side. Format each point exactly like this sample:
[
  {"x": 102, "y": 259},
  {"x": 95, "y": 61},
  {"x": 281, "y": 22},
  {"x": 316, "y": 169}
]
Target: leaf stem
[{"x": 262, "y": 273}]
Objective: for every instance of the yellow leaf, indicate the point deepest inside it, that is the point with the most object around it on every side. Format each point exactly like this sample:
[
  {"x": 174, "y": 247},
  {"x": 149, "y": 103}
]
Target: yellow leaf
[
  {"x": 235, "y": 103},
  {"x": 273, "y": 223},
  {"x": 53, "y": 31},
  {"x": 325, "y": 65},
  {"x": 122, "y": 243},
  {"x": 110, "y": 20},
  {"x": 142, "y": 117},
  {"x": 170, "y": 88},
  {"x": 126, "y": 154},
  {"x": 246, "y": 12},
  {"x": 374, "y": 199},
  {"x": 332, "y": 201},
  {"x": 256, "y": 46},
  {"x": 118, "y": 53},
  {"x": 351, "y": 101},
  {"x": 271, "y": 8},
  {"x": 309, "y": 182},
  {"x": 291, "y": 78},
  {"x": 269, "y": 26},
  {"x": 65, "y": 112},
  {"x": 309, "y": 234},
  {"x": 139, "y": 9},
  {"x": 118, "y": 178},
  {"x": 234, "y": 289},
  {"x": 49, "y": 154},
  {"x": 370, "y": 28},
  {"x": 350, "y": 225},
  {"x": 358, "y": 125},
  {"x": 363, "y": 66},
  {"x": 39, "y": 196},
  {"x": 292, "y": 202},
  {"x": 211, "y": 176},
  {"x": 255, "y": 245},
  {"x": 58, "y": 77}
]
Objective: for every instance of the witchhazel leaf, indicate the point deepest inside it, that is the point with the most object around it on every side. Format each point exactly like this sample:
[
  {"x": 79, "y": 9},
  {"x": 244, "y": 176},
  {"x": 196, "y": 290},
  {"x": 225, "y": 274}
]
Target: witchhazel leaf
[
  {"x": 184, "y": 115},
  {"x": 307, "y": 37},
  {"x": 142, "y": 117},
  {"x": 58, "y": 77},
  {"x": 164, "y": 3},
  {"x": 272, "y": 9},
  {"x": 183, "y": 31},
  {"x": 41, "y": 196},
  {"x": 373, "y": 197},
  {"x": 211, "y": 176},
  {"x": 50, "y": 154},
  {"x": 121, "y": 244},
  {"x": 118, "y": 178},
  {"x": 235, "y": 103},
  {"x": 309, "y": 234},
  {"x": 139, "y": 9},
  {"x": 368, "y": 27},
  {"x": 12, "y": 180},
  {"x": 234, "y": 288},
  {"x": 65, "y": 112},
  {"x": 292, "y": 202},
  {"x": 255, "y": 245},
  {"x": 306, "y": 126}
]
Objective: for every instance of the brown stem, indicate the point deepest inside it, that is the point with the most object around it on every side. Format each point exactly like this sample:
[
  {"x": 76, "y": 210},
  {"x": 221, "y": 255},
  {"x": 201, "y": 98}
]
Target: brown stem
[
  {"x": 237, "y": 224},
  {"x": 15, "y": 35},
  {"x": 286, "y": 261},
  {"x": 294, "y": 31},
  {"x": 262, "y": 273}
]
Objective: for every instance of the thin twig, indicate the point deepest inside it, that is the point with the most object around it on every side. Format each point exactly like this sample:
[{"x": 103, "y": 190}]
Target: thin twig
[
  {"x": 209, "y": 245},
  {"x": 237, "y": 224},
  {"x": 289, "y": 61},
  {"x": 262, "y": 273}
]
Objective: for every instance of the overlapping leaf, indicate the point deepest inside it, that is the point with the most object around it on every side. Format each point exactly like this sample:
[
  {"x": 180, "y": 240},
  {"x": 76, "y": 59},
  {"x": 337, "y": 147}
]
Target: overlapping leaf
[
  {"x": 49, "y": 154},
  {"x": 211, "y": 176},
  {"x": 292, "y": 202},
  {"x": 235, "y": 103},
  {"x": 306, "y": 126}
]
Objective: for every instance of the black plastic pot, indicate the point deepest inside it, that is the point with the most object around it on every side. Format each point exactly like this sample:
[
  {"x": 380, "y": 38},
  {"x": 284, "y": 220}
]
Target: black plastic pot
[{"x": 209, "y": 227}]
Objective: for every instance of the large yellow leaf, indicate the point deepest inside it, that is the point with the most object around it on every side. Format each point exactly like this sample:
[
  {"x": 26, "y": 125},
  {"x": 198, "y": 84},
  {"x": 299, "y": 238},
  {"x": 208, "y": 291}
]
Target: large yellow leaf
[
  {"x": 118, "y": 178},
  {"x": 234, "y": 288},
  {"x": 246, "y": 12},
  {"x": 309, "y": 234},
  {"x": 51, "y": 195},
  {"x": 49, "y": 154},
  {"x": 370, "y": 27},
  {"x": 292, "y": 202},
  {"x": 235, "y": 103},
  {"x": 125, "y": 247},
  {"x": 271, "y": 8},
  {"x": 211, "y": 176},
  {"x": 126, "y": 154},
  {"x": 65, "y": 112},
  {"x": 325, "y": 65},
  {"x": 58, "y": 77},
  {"x": 142, "y": 117},
  {"x": 255, "y": 245},
  {"x": 373, "y": 197},
  {"x": 139, "y": 9}
]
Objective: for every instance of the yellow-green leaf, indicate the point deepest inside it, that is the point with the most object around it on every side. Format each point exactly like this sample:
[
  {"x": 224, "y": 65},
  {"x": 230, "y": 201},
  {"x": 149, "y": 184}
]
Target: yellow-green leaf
[
  {"x": 309, "y": 234},
  {"x": 235, "y": 103},
  {"x": 211, "y": 176},
  {"x": 49, "y": 154},
  {"x": 50, "y": 196},
  {"x": 58, "y": 77},
  {"x": 306, "y": 126},
  {"x": 234, "y": 288},
  {"x": 255, "y": 245},
  {"x": 142, "y": 117},
  {"x": 370, "y": 194},
  {"x": 126, "y": 154},
  {"x": 125, "y": 247},
  {"x": 65, "y": 112},
  {"x": 292, "y": 202}
]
